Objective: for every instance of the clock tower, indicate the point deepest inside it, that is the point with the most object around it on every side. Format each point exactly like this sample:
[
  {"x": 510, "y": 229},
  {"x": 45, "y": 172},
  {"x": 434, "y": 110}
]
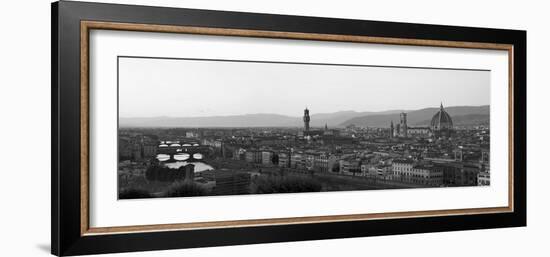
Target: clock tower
[{"x": 306, "y": 120}]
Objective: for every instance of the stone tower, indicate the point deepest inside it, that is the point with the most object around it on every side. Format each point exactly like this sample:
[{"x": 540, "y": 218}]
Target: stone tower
[
  {"x": 391, "y": 129},
  {"x": 306, "y": 120},
  {"x": 403, "y": 124}
]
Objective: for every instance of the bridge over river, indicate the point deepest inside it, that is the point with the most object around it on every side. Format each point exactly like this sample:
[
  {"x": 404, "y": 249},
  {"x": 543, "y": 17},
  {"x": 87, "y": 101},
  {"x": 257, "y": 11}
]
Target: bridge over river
[{"x": 169, "y": 151}]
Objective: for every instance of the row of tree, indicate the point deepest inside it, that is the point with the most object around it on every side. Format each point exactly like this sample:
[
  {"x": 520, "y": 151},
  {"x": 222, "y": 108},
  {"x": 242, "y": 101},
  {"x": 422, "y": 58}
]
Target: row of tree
[
  {"x": 157, "y": 172},
  {"x": 176, "y": 189},
  {"x": 285, "y": 184}
]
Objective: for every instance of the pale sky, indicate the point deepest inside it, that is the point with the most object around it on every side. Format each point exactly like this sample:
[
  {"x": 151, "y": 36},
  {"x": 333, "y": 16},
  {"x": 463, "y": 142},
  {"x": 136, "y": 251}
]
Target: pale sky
[{"x": 190, "y": 88}]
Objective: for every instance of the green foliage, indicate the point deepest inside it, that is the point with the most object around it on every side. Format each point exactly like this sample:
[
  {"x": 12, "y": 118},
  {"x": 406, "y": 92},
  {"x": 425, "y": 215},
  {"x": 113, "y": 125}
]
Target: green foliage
[
  {"x": 134, "y": 193},
  {"x": 275, "y": 159},
  {"x": 161, "y": 173},
  {"x": 185, "y": 188},
  {"x": 336, "y": 167},
  {"x": 151, "y": 172},
  {"x": 286, "y": 184}
]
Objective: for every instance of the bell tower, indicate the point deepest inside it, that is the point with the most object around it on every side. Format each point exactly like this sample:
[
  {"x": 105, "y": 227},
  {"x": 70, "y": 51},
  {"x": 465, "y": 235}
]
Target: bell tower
[
  {"x": 403, "y": 125},
  {"x": 306, "y": 120},
  {"x": 391, "y": 129}
]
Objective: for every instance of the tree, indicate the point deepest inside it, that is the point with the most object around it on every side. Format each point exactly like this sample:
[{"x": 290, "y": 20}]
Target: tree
[
  {"x": 335, "y": 167},
  {"x": 134, "y": 193},
  {"x": 185, "y": 188},
  {"x": 151, "y": 172},
  {"x": 275, "y": 159},
  {"x": 287, "y": 184}
]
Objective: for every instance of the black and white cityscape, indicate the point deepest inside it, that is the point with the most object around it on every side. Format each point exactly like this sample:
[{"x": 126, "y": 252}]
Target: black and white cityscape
[{"x": 293, "y": 149}]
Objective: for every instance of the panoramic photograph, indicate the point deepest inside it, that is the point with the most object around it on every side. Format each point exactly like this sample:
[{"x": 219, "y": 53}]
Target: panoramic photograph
[{"x": 206, "y": 127}]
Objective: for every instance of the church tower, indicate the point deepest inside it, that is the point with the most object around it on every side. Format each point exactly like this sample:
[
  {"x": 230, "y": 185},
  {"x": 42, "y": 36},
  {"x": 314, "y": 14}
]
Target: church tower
[
  {"x": 391, "y": 129},
  {"x": 403, "y": 124},
  {"x": 306, "y": 120}
]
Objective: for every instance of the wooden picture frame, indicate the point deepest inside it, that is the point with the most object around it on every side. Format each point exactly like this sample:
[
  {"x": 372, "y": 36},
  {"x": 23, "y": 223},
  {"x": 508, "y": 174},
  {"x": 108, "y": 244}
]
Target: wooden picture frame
[{"x": 71, "y": 25}]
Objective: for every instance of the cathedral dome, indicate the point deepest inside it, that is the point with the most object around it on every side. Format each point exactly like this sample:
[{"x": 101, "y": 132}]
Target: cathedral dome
[{"x": 441, "y": 121}]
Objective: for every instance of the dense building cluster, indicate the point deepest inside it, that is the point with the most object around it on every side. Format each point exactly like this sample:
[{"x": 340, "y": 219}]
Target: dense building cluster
[{"x": 401, "y": 155}]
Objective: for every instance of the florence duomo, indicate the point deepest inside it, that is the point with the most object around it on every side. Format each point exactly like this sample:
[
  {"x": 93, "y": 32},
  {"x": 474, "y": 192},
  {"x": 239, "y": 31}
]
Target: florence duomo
[
  {"x": 442, "y": 124},
  {"x": 441, "y": 127}
]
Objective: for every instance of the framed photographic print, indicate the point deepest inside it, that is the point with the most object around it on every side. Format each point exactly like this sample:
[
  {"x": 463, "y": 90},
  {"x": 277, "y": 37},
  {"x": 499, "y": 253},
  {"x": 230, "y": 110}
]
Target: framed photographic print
[{"x": 178, "y": 128}]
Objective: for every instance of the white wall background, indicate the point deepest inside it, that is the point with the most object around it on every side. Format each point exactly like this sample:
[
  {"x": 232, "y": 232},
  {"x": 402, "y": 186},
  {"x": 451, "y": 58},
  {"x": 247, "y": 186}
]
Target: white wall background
[{"x": 25, "y": 126}]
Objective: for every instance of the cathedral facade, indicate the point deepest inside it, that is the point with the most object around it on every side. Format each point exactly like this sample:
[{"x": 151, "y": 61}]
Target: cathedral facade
[{"x": 441, "y": 126}]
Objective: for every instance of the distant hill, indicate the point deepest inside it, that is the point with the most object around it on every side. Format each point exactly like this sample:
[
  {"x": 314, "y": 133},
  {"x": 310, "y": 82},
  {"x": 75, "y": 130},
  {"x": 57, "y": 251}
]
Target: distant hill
[
  {"x": 337, "y": 119},
  {"x": 249, "y": 120},
  {"x": 464, "y": 120},
  {"x": 461, "y": 115}
]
